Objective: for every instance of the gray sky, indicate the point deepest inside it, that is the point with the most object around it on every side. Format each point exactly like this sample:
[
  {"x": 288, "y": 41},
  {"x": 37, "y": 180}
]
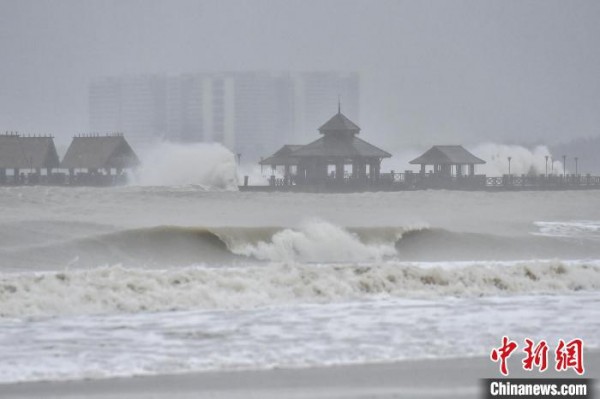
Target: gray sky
[{"x": 432, "y": 71}]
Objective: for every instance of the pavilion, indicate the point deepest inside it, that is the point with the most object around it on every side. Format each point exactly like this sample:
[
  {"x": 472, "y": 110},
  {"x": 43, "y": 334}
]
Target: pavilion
[
  {"x": 448, "y": 160},
  {"x": 330, "y": 158}
]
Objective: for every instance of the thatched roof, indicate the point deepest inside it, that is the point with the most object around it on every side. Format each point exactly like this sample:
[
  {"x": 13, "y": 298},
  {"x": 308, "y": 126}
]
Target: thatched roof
[
  {"x": 340, "y": 146},
  {"x": 283, "y": 156},
  {"x": 339, "y": 123},
  {"x": 18, "y": 152},
  {"x": 99, "y": 152},
  {"x": 447, "y": 155}
]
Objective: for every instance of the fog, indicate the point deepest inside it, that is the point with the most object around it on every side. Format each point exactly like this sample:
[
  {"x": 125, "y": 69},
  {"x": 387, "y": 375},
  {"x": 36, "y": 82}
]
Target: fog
[{"x": 431, "y": 72}]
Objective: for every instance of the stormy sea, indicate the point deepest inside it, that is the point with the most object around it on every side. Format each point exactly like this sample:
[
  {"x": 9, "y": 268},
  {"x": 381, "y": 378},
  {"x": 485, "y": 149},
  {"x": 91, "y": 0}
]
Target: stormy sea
[
  {"x": 148, "y": 279},
  {"x": 101, "y": 282}
]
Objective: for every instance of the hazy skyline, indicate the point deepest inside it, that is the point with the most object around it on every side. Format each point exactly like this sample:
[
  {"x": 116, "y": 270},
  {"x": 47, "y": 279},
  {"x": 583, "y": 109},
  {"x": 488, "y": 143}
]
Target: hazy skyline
[{"x": 431, "y": 71}]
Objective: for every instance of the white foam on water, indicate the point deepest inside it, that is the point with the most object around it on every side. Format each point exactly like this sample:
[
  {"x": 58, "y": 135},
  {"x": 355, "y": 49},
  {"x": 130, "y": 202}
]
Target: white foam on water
[
  {"x": 207, "y": 165},
  {"x": 587, "y": 229},
  {"x": 316, "y": 241},
  {"x": 304, "y": 335},
  {"x": 524, "y": 161},
  {"x": 117, "y": 289}
]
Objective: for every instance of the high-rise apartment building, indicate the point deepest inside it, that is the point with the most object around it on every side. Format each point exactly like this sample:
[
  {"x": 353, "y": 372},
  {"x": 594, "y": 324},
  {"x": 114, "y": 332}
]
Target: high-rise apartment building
[
  {"x": 135, "y": 105},
  {"x": 252, "y": 113}
]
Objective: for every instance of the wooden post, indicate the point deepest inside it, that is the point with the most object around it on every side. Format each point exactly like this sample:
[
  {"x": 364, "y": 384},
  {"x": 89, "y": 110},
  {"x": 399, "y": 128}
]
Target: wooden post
[
  {"x": 286, "y": 175},
  {"x": 321, "y": 168},
  {"x": 339, "y": 170}
]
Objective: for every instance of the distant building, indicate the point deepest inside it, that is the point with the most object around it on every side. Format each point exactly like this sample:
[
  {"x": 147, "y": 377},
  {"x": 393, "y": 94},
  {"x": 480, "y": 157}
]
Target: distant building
[
  {"x": 135, "y": 105},
  {"x": 248, "y": 112},
  {"x": 314, "y": 95},
  {"x": 338, "y": 158},
  {"x": 35, "y": 155}
]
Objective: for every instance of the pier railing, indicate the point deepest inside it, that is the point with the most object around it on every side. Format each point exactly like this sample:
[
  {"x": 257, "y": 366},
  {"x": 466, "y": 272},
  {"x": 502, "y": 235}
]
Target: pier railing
[
  {"x": 413, "y": 181},
  {"x": 543, "y": 181}
]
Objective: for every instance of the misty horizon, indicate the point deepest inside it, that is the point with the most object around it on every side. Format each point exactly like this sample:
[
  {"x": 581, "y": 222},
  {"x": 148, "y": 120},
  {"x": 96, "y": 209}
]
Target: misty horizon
[{"x": 430, "y": 72}]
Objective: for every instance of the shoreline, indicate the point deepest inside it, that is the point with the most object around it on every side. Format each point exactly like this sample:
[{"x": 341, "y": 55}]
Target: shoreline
[{"x": 427, "y": 378}]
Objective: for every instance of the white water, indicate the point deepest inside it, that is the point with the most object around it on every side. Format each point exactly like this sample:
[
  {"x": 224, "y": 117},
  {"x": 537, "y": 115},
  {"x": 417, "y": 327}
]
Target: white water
[
  {"x": 523, "y": 161},
  {"x": 317, "y": 241},
  {"x": 211, "y": 166},
  {"x": 207, "y": 165},
  {"x": 299, "y": 336},
  {"x": 327, "y": 292},
  {"x": 571, "y": 229},
  {"x": 111, "y": 290}
]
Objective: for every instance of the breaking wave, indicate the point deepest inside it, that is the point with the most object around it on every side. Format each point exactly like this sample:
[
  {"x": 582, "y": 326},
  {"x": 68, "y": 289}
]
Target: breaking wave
[
  {"x": 315, "y": 241},
  {"x": 523, "y": 160},
  {"x": 570, "y": 229},
  {"x": 320, "y": 241},
  {"x": 128, "y": 290},
  {"x": 207, "y": 165}
]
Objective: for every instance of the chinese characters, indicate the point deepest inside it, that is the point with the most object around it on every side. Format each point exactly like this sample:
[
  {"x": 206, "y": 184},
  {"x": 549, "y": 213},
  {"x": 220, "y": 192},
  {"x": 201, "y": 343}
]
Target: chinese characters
[{"x": 568, "y": 355}]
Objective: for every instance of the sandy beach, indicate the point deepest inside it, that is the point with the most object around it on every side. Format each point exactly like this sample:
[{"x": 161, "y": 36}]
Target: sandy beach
[{"x": 446, "y": 378}]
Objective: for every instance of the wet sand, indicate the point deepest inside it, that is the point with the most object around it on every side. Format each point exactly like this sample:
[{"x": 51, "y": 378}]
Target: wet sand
[{"x": 447, "y": 378}]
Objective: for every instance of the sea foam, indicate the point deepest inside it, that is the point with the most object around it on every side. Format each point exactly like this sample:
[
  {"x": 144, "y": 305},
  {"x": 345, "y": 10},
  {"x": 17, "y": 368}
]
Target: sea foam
[
  {"x": 130, "y": 290},
  {"x": 207, "y": 165}
]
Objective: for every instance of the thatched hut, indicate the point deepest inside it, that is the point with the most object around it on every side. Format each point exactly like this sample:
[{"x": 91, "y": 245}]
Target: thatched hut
[
  {"x": 93, "y": 156},
  {"x": 27, "y": 157}
]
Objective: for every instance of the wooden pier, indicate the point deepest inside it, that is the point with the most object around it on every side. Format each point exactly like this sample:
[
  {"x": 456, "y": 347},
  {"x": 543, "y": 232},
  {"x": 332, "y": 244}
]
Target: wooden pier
[{"x": 409, "y": 181}]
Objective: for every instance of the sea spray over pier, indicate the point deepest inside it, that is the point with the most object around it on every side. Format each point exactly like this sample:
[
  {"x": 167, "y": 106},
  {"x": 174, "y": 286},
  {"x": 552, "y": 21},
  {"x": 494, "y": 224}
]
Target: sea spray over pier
[
  {"x": 209, "y": 166},
  {"x": 524, "y": 161}
]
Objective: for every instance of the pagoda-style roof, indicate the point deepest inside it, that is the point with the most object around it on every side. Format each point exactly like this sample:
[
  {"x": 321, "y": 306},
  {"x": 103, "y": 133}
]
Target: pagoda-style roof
[
  {"x": 447, "y": 155},
  {"x": 339, "y": 123},
  {"x": 283, "y": 156},
  {"x": 336, "y": 146},
  {"x": 339, "y": 141},
  {"x": 99, "y": 152},
  {"x": 27, "y": 152}
]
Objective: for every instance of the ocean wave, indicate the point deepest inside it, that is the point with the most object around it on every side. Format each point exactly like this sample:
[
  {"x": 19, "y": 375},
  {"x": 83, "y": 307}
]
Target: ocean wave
[
  {"x": 207, "y": 166},
  {"x": 317, "y": 241},
  {"x": 118, "y": 289},
  {"x": 314, "y": 241},
  {"x": 587, "y": 229}
]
